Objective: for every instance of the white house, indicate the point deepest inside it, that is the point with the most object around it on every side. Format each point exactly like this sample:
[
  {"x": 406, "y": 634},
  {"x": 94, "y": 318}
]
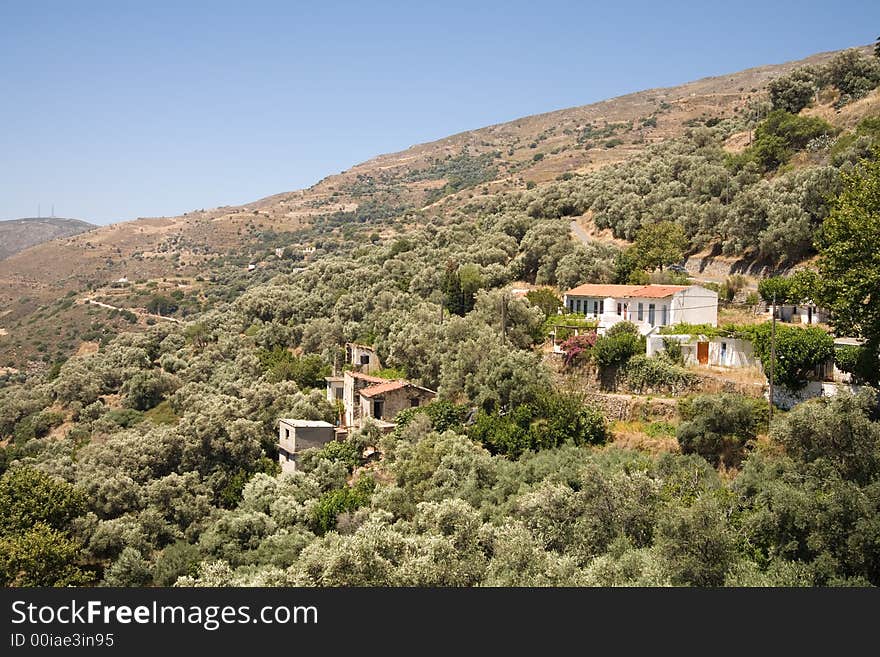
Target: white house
[
  {"x": 647, "y": 306},
  {"x": 804, "y": 313}
]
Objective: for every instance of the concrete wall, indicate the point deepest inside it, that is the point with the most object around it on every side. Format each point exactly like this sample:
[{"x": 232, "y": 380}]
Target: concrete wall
[
  {"x": 788, "y": 399},
  {"x": 654, "y": 343},
  {"x": 798, "y": 313},
  {"x": 695, "y": 305},
  {"x": 352, "y": 386},
  {"x": 732, "y": 352},
  {"x": 723, "y": 352},
  {"x": 293, "y": 439},
  {"x": 335, "y": 391}
]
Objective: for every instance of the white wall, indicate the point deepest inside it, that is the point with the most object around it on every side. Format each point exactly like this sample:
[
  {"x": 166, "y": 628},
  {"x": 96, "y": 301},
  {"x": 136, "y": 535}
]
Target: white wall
[
  {"x": 586, "y": 304},
  {"x": 334, "y": 387},
  {"x": 787, "y": 399},
  {"x": 695, "y": 305},
  {"x": 659, "y": 315},
  {"x": 654, "y": 344},
  {"x": 738, "y": 353}
]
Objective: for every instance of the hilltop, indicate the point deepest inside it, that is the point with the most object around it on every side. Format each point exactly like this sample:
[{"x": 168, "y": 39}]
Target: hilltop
[{"x": 16, "y": 235}]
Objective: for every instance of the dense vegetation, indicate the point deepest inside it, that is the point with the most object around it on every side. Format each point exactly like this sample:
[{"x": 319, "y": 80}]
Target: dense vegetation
[{"x": 152, "y": 461}]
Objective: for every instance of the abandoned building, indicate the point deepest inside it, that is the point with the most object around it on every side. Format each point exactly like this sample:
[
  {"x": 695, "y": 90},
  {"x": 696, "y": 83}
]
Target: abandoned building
[
  {"x": 362, "y": 358},
  {"x": 364, "y": 396},
  {"x": 296, "y": 435}
]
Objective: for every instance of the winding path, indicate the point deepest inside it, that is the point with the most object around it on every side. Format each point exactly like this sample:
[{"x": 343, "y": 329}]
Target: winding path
[{"x": 139, "y": 313}]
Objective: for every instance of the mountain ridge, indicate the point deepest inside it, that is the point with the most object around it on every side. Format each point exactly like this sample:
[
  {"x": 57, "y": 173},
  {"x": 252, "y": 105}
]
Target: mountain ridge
[{"x": 17, "y": 235}]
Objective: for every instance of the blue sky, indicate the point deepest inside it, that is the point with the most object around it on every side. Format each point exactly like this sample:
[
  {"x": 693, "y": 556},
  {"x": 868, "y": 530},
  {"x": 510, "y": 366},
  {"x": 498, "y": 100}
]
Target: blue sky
[{"x": 115, "y": 110}]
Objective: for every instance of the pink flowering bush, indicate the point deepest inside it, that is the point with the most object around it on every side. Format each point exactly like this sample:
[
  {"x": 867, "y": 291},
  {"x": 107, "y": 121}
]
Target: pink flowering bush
[{"x": 577, "y": 348}]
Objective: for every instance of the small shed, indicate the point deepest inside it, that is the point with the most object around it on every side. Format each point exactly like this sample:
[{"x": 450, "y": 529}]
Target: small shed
[{"x": 296, "y": 435}]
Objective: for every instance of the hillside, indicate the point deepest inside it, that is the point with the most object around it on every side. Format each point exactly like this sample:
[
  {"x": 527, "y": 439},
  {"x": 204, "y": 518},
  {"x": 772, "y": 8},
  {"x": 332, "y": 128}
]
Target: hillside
[
  {"x": 500, "y": 157},
  {"x": 150, "y": 409},
  {"x": 16, "y": 235},
  {"x": 390, "y": 193}
]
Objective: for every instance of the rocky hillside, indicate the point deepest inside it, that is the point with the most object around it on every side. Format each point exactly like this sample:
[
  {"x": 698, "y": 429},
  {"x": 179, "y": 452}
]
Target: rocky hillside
[
  {"x": 16, "y": 235},
  {"x": 521, "y": 153}
]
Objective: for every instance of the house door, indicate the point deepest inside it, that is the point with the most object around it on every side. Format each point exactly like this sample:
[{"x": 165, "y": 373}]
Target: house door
[
  {"x": 378, "y": 409},
  {"x": 703, "y": 353},
  {"x": 809, "y": 314},
  {"x": 651, "y": 314}
]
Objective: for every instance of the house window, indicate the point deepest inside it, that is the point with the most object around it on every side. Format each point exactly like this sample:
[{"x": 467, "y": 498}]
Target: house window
[
  {"x": 619, "y": 309},
  {"x": 595, "y": 307},
  {"x": 338, "y": 393},
  {"x": 287, "y": 433},
  {"x": 378, "y": 408},
  {"x": 652, "y": 314},
  {"x": 663, "y": 316},
  {"x": 723, "y": 351},
  {"x": 365, "y": 359},
  {"x": 601, "y": 306},
  {"x": 578, "y": 305},
  {"x": 641, "y": 312},
  {"x": 571, "y": 305},
  {"x": 414, "y": 402}
]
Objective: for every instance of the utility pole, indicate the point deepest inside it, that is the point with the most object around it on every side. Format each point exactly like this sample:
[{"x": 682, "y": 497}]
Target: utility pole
[{"x": 772, "y": 353}]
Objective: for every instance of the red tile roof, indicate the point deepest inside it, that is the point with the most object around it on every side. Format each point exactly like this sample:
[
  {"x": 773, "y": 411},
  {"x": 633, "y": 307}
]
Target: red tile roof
[
  {"x": 625, "y": 291},
  {"x": 659, "y": 291},
  {"x": 382, "y": 388}
]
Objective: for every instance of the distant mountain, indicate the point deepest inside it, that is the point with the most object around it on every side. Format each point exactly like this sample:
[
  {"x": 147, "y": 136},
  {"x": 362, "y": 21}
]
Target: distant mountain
[{"x": 19, "y": 234}]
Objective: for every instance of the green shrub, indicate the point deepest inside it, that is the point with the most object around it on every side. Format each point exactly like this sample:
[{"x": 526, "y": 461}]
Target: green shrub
[
  {"x": 719, "y": 427},
  {"x": 444, "y": 416},
  {"x": 553, "y": 420},
  {"x": 672, "y": 349},
  {"x": 332, "y": 503},
  {"x": 658, "y": 374},
  {"x": 306, "y": 371},
  {"x": 793, "y": 92},
  {"x": 799, "y": 351},
  {"x": 620, "y": 343},
  {"x": 780, "y": 135},
  {"x": 861, "y": 362}
]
